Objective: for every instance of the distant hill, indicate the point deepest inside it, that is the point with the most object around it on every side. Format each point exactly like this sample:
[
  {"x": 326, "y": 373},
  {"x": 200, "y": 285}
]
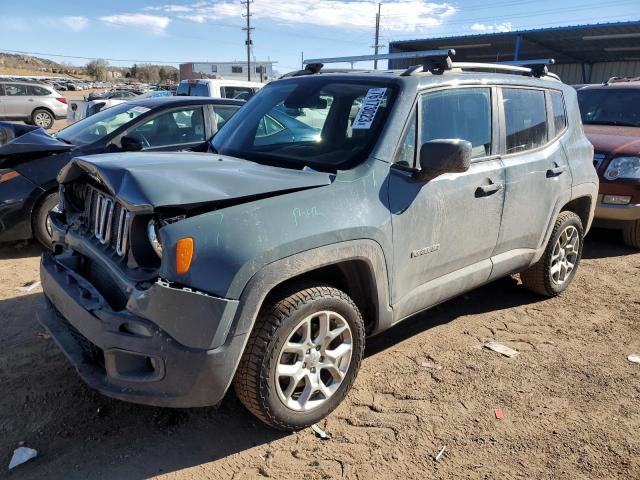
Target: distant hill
[
  {"x": 28, "y": 65},
  {"x": 14, "y": 62}
]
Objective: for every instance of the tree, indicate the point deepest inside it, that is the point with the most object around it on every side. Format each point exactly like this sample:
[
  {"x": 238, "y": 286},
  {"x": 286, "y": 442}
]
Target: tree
[
  {"x": 134, "y": 71},
  {"x": 162, "y": 73},
  {"x": 97, "y": 69}
]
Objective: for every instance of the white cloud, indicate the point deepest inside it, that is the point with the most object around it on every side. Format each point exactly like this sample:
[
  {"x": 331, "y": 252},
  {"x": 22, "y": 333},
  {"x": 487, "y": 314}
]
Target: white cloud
[
  {"x": 154, "y": 23},
  {"x": 502, "y": 27},
  {"x": 75, "y": 24},
  {"x": 397, "y": 15},
  {"x": 177, "y": 8}
]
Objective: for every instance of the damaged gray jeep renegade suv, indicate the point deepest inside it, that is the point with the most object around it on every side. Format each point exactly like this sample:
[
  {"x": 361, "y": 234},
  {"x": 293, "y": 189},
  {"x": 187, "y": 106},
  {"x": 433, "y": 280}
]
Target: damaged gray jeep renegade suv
[{"x": 331, "y": 207}]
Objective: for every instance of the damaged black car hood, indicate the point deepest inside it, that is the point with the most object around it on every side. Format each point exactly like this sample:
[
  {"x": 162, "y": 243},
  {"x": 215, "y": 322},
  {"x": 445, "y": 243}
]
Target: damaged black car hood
[
  {"x": 20, "y": 142},
  {"x": 143, "y": 182}
]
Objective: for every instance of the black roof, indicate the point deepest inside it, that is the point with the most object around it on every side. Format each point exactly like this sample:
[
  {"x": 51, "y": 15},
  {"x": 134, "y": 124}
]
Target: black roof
[
  {"x": 604, "y": 42},
  {"x": 180, "y": 101}
]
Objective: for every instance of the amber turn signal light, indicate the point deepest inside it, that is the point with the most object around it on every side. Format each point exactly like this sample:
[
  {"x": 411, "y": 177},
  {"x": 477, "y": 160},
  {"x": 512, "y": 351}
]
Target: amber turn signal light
[
  {"x": 184, "y": 255},
  {"x": 6, "y": 175}
]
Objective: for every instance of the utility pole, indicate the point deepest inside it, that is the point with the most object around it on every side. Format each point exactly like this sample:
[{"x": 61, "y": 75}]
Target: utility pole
[
  {"x": 302, "y": 60},
  {"x": 377, "y": 44},
  {"x": 248, "y": 41}
]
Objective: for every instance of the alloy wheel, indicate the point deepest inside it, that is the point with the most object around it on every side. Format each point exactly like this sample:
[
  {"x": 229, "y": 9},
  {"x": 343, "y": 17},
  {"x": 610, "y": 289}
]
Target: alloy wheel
[
  {"x": 565, "y": 255},
  {"x": 43, "y": 119},
  {"x": 314, "y": 360}
]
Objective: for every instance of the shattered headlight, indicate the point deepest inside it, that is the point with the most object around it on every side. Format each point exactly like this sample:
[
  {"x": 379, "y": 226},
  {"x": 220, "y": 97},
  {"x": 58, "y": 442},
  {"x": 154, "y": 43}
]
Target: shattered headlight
[
  {"x": 623, "y": 167},
  {"x": 152, "y": 232}
]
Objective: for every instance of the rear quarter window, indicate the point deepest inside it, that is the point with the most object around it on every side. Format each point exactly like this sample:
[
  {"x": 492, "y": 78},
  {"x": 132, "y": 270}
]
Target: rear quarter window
[
  {"x": 559, "y": 112},
  {"x": 525, "y": 115},
  {"x": 39, "y": 91}
]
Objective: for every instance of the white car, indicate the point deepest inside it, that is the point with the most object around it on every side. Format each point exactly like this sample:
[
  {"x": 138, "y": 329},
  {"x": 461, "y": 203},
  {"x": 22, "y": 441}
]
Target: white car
[
  {"x": 35, "y": 103},
  {"x": 217, "y": 88}
]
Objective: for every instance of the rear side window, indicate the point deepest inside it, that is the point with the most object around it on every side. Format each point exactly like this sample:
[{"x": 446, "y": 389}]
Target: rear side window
[
  {"x": 15, "y": 89},
  {"x": 463, "y": 113},
  {"x": 223, "y": 114},
  {"x": 525, "y": 113},
  {"x": 33, "y": 90},
  {"x": 559, "y": 112},
  {"x": 237, "y": 93},
  {"x": 1, "y": 89}
]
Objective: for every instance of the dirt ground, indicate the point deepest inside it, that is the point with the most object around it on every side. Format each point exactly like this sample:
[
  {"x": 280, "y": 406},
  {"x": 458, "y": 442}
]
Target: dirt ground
[{"x": 570, "y": 398}]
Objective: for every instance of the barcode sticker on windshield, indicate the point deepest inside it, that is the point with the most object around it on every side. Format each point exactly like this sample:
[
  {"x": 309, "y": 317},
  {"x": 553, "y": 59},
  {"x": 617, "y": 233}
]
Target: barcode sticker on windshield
[{"x": 366, "y": 114}]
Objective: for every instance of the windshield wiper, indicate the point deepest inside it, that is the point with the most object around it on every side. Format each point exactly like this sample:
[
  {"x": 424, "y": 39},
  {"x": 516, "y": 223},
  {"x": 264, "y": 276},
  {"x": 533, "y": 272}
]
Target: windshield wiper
[{"x": 64, "y": 140}]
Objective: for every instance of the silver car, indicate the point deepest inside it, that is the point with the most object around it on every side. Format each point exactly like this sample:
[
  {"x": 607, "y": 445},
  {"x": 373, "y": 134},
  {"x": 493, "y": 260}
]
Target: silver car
[{"x": 34, "y": 103}]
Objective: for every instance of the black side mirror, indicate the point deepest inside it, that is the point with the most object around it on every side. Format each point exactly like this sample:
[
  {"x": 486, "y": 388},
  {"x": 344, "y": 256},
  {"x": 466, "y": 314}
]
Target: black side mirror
[
  {"x": 443, "y": 156},
  {"x": 131, "y": 144}
]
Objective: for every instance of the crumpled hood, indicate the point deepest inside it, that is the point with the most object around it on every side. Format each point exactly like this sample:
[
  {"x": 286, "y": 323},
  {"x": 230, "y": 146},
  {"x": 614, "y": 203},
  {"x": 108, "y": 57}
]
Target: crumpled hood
[
  {"x": 22, "y": 142},
  {"x": 145, "y": 181}
]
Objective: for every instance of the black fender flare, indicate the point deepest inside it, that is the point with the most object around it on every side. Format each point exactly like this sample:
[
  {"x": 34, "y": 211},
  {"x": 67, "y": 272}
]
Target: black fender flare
[{"x": 273, "y": 274}]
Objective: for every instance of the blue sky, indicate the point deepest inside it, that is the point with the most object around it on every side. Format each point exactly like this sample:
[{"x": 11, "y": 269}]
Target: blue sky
[{"x": 205, "y": 30}]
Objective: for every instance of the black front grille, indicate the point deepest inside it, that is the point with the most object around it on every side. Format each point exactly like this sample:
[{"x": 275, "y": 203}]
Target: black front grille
[
  {"x": 598, "y": 158},
  {"x": 105, "y": 219}
]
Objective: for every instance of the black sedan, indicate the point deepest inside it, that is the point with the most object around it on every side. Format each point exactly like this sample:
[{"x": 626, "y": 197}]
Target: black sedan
[{"x": 30, "y": 159}]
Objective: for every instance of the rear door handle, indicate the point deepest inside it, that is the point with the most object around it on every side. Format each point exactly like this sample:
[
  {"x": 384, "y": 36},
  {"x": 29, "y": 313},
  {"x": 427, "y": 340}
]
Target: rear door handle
[
  {"x": 554, "y": 172},
  {"x": 486, "y": 190}
]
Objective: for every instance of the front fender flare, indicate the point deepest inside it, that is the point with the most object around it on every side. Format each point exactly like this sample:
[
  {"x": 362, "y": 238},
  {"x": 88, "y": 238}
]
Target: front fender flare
[{"x": 275, "y": 273}]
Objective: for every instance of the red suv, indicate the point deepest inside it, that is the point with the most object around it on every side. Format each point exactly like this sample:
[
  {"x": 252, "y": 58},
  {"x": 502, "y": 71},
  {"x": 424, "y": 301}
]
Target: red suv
[{"x": 611, "y": 118}]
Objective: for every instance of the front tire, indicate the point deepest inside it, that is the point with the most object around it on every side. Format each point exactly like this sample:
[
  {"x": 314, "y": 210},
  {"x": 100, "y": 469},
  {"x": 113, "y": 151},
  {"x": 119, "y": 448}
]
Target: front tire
[
  {"x": 302, "y": 357},
  {"x": 555, "y": 270},
  {"x": 631, "y": 234},
  {"x": 40, "y": 219},
  {"x": 42, "y": 118}
]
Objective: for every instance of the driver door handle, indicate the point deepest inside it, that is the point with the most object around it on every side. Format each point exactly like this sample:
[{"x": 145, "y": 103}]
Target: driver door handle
[
  {"x": 554, "y": 172},
  {"x": 486, "y": 190}
]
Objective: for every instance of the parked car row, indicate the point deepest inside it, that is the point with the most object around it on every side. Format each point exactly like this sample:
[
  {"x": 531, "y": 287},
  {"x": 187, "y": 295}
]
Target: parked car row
[{"x": 328, "y": 208}]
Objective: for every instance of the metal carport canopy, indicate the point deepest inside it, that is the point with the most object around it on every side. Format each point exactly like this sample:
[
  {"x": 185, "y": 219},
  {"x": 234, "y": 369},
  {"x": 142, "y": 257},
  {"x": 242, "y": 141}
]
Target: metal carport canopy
[{"x": 584, "y": 44}]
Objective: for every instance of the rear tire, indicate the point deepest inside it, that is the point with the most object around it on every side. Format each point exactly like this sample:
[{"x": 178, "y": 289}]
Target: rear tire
[
  {"x": 40, "y": 219},
  {"x": 631, "y": 234},
  {"x": 289, "y": 378},
  {"x": 555, "y": 270},
  {"x": 42, "y": 118}
]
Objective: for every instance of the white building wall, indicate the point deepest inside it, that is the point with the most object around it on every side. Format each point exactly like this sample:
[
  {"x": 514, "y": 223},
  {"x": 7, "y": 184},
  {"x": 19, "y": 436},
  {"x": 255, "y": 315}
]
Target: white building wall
[{"x": 235, "y": 70}]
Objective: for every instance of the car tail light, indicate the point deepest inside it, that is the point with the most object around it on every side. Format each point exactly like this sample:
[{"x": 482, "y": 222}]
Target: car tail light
[
  {"x": 62, "y": 99},
  {"x": 184, "y": 255}
]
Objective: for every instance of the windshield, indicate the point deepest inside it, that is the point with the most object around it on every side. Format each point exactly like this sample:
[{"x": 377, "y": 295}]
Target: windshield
[
  {"x": 323, "y": 123},
  {"x": 615, "y": 106},
  {"x": 96, "y": 127}
]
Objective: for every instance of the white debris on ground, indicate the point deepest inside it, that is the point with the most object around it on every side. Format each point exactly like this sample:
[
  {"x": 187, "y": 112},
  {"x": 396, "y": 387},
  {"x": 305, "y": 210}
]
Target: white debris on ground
[
  {"x": 634, "y": 358},
  {"x": 27, "y": 287},
  {"x": 22, "y": 455},
  {"x": 499, "y": 348},
  {"x": 320, "y": 432}
]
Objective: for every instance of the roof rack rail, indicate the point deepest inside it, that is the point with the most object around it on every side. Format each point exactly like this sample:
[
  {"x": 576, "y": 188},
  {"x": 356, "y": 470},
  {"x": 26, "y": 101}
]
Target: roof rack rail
[
  {"x": 535, "y": 68},
  {"x": 435, "y": 61},
  {"x": 310, "y": 69},
  {"x": 382, "y": 56}
]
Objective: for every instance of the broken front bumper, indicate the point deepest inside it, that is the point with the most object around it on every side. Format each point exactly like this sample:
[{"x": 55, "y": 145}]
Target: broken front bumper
[{"x": 129, "y": 354}]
